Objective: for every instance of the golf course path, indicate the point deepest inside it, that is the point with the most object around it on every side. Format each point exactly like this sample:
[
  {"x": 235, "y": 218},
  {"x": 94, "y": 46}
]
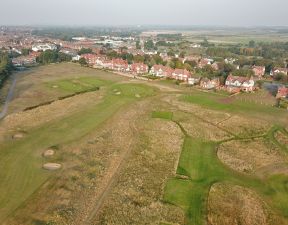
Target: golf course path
[{"x": 8, "y": 97}]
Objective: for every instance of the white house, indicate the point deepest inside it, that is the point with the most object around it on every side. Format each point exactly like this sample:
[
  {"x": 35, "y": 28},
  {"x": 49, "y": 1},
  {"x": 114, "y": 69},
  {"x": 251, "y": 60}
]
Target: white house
[{"x": 44, "y": 47}]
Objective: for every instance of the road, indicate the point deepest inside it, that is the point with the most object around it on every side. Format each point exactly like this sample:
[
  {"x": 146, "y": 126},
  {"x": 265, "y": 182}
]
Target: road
[{"x": 8, "y": 97}]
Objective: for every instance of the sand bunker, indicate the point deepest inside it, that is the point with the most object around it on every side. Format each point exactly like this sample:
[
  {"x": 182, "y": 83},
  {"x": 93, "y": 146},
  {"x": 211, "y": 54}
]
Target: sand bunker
[
  {"x": 48, "y": 153},
  {"x": 18, "y": 136},
  {"x": 52, "y": 166}
]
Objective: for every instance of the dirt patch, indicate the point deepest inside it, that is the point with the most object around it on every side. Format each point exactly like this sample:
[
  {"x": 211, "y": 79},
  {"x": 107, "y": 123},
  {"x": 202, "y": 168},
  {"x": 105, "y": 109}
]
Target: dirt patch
[
  {"x": 249, "y": 156},
  {"x": 234, "y": 205}
]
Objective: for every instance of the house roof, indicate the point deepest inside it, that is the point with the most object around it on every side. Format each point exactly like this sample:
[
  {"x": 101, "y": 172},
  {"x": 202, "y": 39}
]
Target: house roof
[
  {"x": 233, "y": 79},
  {"x": 283, "y": 91},
  {"x": 182, "y": 71}
]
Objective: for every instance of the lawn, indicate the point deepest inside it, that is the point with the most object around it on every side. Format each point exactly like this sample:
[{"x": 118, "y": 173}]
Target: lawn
[
  {"x": 234, "y": 105},
  {"x": 162, "y": 115},
  {"x": 21, "y": 161},
  {"x": 76, "y": 85}
]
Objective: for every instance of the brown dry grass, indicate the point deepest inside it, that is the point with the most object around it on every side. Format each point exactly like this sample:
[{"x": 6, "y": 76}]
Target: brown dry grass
[
  {"x": 245, "y": 126},
  {"x": 211, "y": 116},
  {"x": 281, "y": 138},
  {"x": 233, "y": 205},
  {"x": 136, "y": 198},
  {"x": 250, "y": 156},
  {"x": 199, "y": 129}
]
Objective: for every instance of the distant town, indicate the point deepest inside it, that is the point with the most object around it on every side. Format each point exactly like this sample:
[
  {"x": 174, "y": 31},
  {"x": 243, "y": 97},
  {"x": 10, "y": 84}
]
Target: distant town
[{"x": 156, "y": 55}]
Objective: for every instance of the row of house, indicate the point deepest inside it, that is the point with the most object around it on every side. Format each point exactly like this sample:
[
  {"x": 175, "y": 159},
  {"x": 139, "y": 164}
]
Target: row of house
[
  {"x": 259, "y": 71},
  {"x": 25, "y": 60},
  {"x": 232, "y": 83},
  {"x": 119, "y": 65},
  {"x": 168, "y": 72}
]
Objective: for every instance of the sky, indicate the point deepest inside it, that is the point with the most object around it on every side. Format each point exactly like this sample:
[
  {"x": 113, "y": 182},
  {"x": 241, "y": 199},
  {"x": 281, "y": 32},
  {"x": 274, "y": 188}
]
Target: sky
[{"x": 145, "y": 12}]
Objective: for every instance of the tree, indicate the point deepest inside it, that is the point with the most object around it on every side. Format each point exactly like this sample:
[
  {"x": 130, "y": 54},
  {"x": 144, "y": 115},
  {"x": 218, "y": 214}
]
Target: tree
[
  {"x": 149, "y": 45},
  {"x": 171, "y": 53},
  {"x": 25, "y": 51},
  {"x": 281, "y": 77},
  {"x": 83, "y": 62},
  {"x": 62, "y": 57},
  {"x": 5, "y": 67},
  {"x": 188, "y": 67},
  {"x": 48, "y": 56},
  {"x": 138, "y": 45},
  {"x": 192, "y": 63},
  {"x": 208, "y": 69},
  {"x": 205, "y": 43},
  {"x": 226, "y": 68},
  {"x": 182, "y": 54},
  {"x": 158, "y": 59},
  {"x": 243, "y": 73},
  {"x": 139, "y": 58},
  {"x": 252, "y": 44},
  {"x": 85, "y": 51}
]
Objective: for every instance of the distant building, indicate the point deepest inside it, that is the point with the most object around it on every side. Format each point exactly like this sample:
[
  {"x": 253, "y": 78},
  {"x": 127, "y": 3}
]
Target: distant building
[
  {"x": 44, "y": 47},
  {"x": 120, "y": 65},
  {"x": 203, "y": 62},
  {"x": 24, "y": 60},
  {"x": 236, "y": 84},
  {"x": 181, "y": 74},
  {"x": 282, "y": 92},
  {"x": 90, "y": 58},
  {"x": 139, "y": 68},
  {"x": 208, "y": 84},
  {"x": 195, "y": 46},
  {"x": 259, "y": 71},
  {"x": 215, "y": 66},
  {"x": 193, "y": 80},
  {"x": 161, "y": 71},
  {"x": 278, "y": 70}
]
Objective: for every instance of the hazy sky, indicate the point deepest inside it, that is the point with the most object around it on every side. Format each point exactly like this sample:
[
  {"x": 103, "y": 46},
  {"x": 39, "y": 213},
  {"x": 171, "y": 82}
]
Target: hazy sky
[{"x": 147, "y": 12}]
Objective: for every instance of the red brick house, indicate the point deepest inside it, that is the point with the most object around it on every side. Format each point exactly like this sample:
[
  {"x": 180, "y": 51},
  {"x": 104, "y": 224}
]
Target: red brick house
[
  {"x": 215, "y": 66},
  {"x": 203, "y": 62},
  {"x": 139, "y": 68},
  {"x": 237, "y": 83},
  {"x": 282, "y": 92},
  {"x": 161, "y": 71},
  {"x": 90, "y": 58},
  {"x": 181, "y": 74},
  {"x": 279, "y": 70},
  {"x": 259, "y": 71},
  {"x": 208, "y": 84},
  {"x": 120, "y": 65}
]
